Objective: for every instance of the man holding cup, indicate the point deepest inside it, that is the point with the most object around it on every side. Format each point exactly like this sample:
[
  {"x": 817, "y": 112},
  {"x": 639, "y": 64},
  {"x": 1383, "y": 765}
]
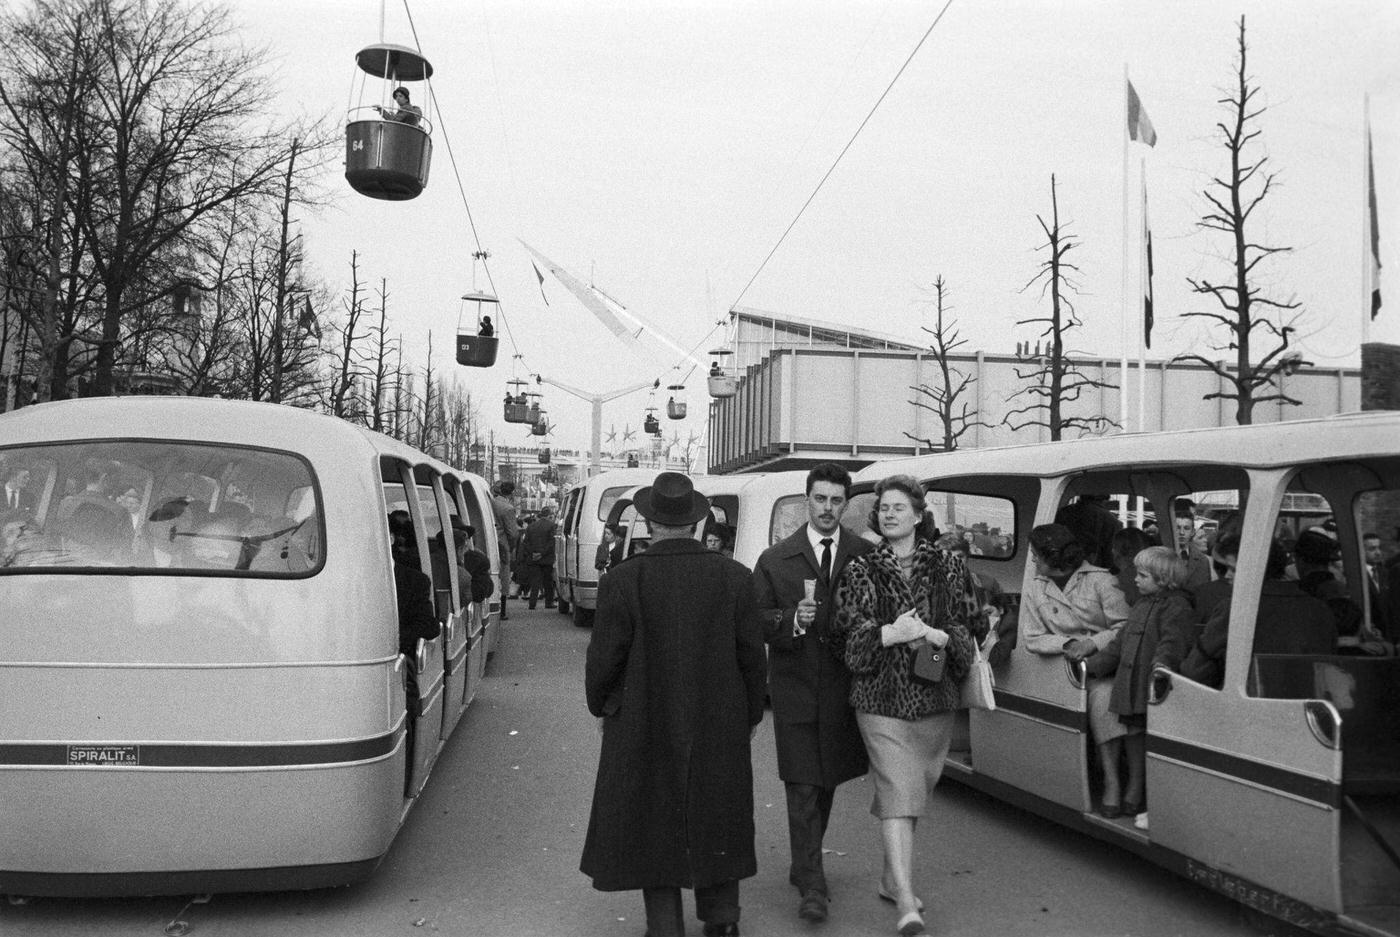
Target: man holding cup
[{"x": 819, "y": 745}]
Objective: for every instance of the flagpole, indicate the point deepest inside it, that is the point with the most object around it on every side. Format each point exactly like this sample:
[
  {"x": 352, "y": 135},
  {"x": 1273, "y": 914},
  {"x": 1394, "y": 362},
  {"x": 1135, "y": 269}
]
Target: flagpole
[
  {"x": 1123, "y": 381},
  {"x": 1142, "y": 301},
  {"x": 1367, "y": 285}
]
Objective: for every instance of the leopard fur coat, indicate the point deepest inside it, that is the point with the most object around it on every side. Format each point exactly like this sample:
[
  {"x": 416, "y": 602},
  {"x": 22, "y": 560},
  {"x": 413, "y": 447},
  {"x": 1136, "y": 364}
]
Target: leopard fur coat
[{"x": 872, "y": 592}]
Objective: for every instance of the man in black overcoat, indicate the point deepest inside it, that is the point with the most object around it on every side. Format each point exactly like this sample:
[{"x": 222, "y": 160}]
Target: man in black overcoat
[
  {"x": 819, "y": 745},
  {"x": 675, "y": 675}
]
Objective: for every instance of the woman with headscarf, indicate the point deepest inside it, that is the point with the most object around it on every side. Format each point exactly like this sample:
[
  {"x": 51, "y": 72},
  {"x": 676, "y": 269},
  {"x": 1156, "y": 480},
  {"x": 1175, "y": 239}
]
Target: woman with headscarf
[{"x": 904, "y": 595}]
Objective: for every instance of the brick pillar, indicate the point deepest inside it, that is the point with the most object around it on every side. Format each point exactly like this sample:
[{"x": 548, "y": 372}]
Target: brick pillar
[{"x": 1380, "y": 390}]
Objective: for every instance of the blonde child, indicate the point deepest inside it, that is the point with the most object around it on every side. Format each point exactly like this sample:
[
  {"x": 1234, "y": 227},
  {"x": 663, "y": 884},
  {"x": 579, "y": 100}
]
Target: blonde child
[{"x": 1157, "y": 633}]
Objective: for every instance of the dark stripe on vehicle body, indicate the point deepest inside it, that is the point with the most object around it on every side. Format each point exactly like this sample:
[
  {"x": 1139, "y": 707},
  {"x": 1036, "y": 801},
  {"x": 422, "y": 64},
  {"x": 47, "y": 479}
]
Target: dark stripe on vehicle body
[
  {"x": 1320, "y": 790},
  {"x": 1046, "y": 712},
  {"x": 179, "y": 755}
]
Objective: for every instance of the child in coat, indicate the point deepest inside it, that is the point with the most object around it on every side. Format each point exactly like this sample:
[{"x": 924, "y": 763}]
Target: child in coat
[{"x": 1157, "y": 633}]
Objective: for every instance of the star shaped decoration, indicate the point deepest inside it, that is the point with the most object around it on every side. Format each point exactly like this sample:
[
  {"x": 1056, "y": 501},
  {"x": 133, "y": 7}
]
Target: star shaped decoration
[
  {"x": 612, "y": 433},
  {"x": 627, "y": 433}
]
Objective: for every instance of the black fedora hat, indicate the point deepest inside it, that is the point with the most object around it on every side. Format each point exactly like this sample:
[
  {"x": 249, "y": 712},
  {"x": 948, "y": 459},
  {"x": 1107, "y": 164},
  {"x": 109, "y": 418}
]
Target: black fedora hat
[{"x": 671, "y": 500}]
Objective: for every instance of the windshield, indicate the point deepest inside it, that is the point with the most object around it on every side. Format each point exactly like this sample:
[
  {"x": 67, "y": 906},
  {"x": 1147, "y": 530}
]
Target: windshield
[{"x": 158, "y": 507}]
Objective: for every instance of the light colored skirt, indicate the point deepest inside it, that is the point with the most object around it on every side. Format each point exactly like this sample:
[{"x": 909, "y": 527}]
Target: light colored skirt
[
  {"x": 1104, "y": 726},
  {"x": 906, "y": 760}
]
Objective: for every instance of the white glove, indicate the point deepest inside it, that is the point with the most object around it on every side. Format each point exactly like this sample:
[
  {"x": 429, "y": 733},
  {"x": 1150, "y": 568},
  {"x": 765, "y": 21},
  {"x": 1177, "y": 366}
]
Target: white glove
[{"x": 907, "y": 627}]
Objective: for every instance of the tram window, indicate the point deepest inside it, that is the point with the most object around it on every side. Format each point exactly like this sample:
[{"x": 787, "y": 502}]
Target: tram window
[
  {"x": 166, "y": 507},
  {"x": 789, "y": 513},
  {"x": 608, "y": 499},
  {"x": 1377, "y": 515},
  {"x": 986, "y": 525},
  {"x": 857, "y": 516}
]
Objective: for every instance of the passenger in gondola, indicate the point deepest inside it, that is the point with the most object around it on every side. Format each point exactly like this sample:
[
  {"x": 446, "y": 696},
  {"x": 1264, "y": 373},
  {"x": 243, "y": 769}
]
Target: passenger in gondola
[
  {"x": 715, "y": 369},
  {"x": 486, "y": 329},
  {"x": 405, "y": 113}
]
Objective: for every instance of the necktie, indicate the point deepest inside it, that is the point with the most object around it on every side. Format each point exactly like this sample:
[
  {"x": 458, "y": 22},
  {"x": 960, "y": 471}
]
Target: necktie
[{"x": 826, "y": 558}]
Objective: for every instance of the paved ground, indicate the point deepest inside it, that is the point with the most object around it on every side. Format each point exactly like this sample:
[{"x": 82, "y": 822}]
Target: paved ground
[{"x": 493, "y": 849}]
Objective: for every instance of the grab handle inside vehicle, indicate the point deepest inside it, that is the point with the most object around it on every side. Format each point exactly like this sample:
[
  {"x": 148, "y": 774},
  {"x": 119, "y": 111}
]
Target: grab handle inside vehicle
[
  {"x": 1324, "y": 722},
  {"x": 1077, "y": 671}
]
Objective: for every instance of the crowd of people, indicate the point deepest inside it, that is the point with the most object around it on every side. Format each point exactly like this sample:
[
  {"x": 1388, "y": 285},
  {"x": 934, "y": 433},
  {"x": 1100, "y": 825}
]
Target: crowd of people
[{"x": 868, "y": 640}]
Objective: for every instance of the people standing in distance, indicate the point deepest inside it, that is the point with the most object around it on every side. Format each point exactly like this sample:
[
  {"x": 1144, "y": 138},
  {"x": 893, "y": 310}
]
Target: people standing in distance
[
  {"x": 1197, "y": 562},
  {"x": 903, "y": 595},
  {"x": 507, "y": 534},
  {"x": 538, "y": 547},
  {"x": 819, "y": 745},
  {"x": 675, "y": 675}
]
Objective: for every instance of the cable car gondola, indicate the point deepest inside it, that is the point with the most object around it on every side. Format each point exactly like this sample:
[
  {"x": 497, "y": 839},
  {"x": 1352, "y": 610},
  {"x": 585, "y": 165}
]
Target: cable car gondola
[
  {"x": 517, "y": 405},
  {"x": 541, "y": 425},
  {"x": 651, "y": 425},
  {"x": 675, "y": 409},
  {"x": 544, "y": 456},
  {"x": 722, "y": 382},
  {"x": 388, "y": 146},
  {"x": 478, "y": 349}
]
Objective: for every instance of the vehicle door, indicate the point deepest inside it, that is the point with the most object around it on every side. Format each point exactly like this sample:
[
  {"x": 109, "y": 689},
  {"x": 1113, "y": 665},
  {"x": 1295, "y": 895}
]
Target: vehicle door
[
  {"x": 425, "y": 708},
  {"x": 1247, "y": 786},
  {"x": 566, "y": 553},
  {"x": 463, "y": 653}
]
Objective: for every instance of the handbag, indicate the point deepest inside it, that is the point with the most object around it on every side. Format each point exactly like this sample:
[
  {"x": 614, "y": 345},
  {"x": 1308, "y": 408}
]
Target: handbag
[
  {"x": 927, "y": 666},
  {"x": 977, "y": 683}
]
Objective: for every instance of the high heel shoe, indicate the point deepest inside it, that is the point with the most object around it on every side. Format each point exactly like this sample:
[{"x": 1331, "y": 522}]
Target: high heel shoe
[{"x": 911, "y": 924}]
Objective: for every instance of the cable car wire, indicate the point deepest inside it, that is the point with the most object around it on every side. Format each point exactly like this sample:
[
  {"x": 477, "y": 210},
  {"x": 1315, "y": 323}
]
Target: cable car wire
[
  {"x": 840, "y": 155},
  {"x": 456, "y": 174}
]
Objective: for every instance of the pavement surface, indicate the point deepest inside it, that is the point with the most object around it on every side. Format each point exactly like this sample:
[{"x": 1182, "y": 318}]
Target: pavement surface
[{"x": 493, "y": 846}]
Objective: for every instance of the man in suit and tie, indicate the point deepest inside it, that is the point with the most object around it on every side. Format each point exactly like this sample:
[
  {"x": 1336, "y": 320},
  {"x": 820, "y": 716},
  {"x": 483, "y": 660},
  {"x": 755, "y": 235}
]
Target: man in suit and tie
[
  {"x": 819, "y": 745},
  {"x": 17, "y": 495}
]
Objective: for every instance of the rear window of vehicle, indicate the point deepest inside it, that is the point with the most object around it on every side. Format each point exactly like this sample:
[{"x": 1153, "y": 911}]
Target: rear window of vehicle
[{"x": 160, "y": 507}]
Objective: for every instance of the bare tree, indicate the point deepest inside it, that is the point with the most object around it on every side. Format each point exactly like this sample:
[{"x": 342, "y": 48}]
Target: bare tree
[
  {"x": 943, "y": 400},
  {"x": 1243, "y": 307},
  {"x": 348, "y": 368},
  {"x": 383, "y": 404},
  {"x": 1054, "y": 378}
]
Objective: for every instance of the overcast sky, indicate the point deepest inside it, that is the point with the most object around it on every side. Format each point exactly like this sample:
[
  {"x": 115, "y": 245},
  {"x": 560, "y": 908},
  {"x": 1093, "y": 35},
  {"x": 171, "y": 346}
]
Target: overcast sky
[{"x": 662, "y": 148}]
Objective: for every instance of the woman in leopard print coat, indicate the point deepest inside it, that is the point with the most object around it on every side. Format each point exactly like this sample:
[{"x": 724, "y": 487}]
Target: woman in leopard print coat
[{"x": 905, "y": 593}]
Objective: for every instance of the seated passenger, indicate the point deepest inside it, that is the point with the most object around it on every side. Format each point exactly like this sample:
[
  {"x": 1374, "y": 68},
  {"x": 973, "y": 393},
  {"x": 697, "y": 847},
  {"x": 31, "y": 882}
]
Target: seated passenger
[
  {"x": 1093, "y": 525},
  {"x": 486, "y": 329},
  {"x": 1075, "y": 608},
  {"x": 1207, "y": 596},
  {"x": 603, "y": 558},
  {"x": 1314, "y": 554},
  {"x": 1289, "y": 621},
  {"x": 414, "y": 591},
  {"x": 14, "y": 525},
  {"x": 405, "y": 113},
  {"x": 1125, "y": 545},
  {"x": 476, "y": 564}
]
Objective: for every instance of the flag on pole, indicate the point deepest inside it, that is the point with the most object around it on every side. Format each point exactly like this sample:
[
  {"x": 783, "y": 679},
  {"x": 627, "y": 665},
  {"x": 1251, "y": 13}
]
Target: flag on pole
[
  {"x": 1139, "y": 126},
  {"x": 1373, "y": 228},
  {"x": 308, "y": 320},
  {"x": 540, "y": 276},
  {"x": 1147, "y": 271}
]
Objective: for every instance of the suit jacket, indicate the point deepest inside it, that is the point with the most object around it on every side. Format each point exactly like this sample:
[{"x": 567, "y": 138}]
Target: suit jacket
[{"x": 808, "y": 682}]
